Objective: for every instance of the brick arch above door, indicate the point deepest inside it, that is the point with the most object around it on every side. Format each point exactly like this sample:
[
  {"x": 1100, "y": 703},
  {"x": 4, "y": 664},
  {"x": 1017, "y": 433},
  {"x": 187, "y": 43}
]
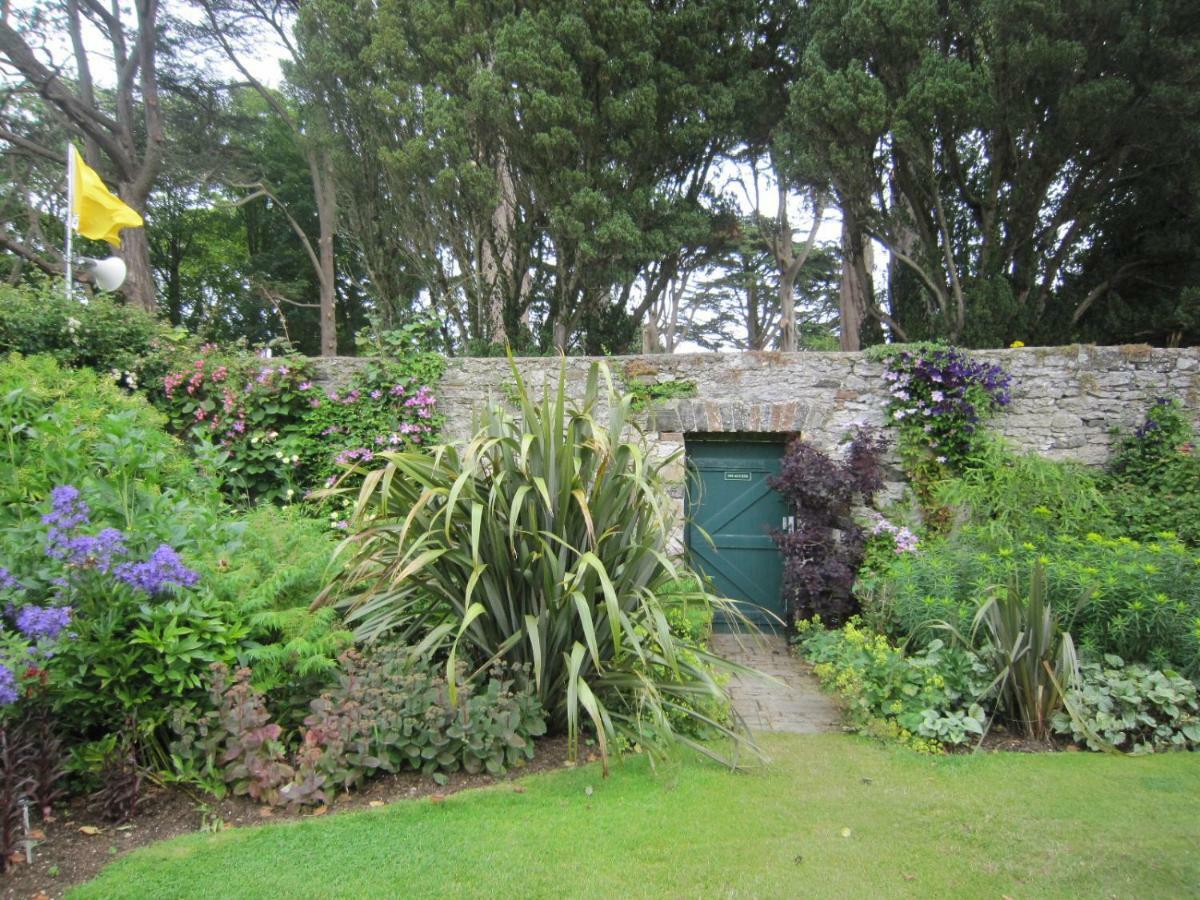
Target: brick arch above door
[{"x": 716, "y": 416}]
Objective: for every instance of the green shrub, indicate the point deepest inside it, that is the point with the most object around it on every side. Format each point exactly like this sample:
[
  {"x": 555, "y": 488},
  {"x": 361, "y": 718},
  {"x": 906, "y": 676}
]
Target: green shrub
[
  {"x": 541, "y": 541},
  {"x": 1153, "y": 483},
  {"x": 387, "y": 404},
  {"x": 1144, "y": 597},
  {"x": 102, "y": 333},
  {"x": 272, "y": 569},
  {"x": 389, "y": 711},
  {"x": 270, "y": 433},
  {"x": 132, "y": 656},
  {"x": 77, "y": 427},
  {"x": 925, "y": 699},
  {"x": 1023, "y": 496},
  {"x": 1132, "y": 708}
]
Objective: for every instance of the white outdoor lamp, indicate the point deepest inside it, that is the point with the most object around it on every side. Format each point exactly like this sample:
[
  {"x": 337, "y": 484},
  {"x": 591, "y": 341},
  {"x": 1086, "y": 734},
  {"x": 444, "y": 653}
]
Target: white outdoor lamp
[{"x": 108, "y": 273}]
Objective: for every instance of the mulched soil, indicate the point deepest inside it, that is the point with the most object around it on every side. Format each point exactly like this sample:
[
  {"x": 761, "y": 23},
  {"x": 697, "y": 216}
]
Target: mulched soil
[
  {"x": 78, "y": 843},
  {"x": 1000, "y": 740}
]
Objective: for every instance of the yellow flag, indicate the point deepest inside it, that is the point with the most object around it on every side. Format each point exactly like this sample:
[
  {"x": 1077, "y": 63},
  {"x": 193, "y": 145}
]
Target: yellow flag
[{"x": 100, "y": 213}]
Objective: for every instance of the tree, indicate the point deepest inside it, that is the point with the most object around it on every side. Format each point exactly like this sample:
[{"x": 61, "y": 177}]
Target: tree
[
  {"x": 982, "y": 144},
  {"x": 563, "y": 147},
  {"x": 236, "y": 28},
  {"x": 121, "y": 127}
]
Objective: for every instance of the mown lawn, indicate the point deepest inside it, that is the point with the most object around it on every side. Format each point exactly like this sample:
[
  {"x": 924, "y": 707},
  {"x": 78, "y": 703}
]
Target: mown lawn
[{"x": 1061, "y": 825}]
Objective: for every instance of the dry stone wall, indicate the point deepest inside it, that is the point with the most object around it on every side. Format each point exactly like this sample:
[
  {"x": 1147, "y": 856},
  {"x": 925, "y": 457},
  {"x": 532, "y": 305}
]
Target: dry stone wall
[{"x": 1066, "y": 400}]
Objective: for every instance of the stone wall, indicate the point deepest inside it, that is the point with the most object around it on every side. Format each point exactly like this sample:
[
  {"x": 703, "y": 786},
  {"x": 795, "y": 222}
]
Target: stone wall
[{"x": 1065, "y": 399}]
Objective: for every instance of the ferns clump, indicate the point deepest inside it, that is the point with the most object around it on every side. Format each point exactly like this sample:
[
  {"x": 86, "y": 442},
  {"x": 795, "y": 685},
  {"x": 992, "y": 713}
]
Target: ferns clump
[{"x": 275, "y": 567}]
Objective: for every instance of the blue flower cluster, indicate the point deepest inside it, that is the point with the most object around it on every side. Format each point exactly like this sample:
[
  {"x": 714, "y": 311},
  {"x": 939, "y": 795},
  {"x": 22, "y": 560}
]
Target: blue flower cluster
[
  {"x": 37, "y": 622},
  {"x": 99, "y": 552},
  {"x": 162, "y": 570},
  {"x": 8, "y": 686},
  {"x": 105, "y": 553},
  {"x": 7, "y": 581},
  {"x": 939, "y": 397}
]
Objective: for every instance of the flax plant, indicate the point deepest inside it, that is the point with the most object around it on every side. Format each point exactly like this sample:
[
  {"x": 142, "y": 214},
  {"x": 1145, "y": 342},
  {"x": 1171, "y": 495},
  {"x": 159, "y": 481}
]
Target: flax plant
[
  {"x": 1028, "y": 649},
  {"x": 541, "y": 540}
]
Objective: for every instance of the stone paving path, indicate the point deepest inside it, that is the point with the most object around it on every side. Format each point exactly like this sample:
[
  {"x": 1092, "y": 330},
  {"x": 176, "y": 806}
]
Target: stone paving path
[{"x": 797, "y": 704}]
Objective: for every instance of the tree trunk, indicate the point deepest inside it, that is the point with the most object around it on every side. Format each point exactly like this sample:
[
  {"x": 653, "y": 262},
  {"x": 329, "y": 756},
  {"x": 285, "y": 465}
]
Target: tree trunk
[
  {"x": 501, "y": 277},
  {"x": 650, "y": 338},
  {"x": 787, "y": 309},
  {"x": 138, "y": 288},
  {"x": 326, "y": 195},
  {"x": 854, "y": 291}
]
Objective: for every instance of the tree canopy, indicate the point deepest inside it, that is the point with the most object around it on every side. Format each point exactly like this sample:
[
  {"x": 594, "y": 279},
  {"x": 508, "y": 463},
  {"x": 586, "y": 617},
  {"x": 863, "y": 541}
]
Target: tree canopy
[{"x": 574, "y": 175}]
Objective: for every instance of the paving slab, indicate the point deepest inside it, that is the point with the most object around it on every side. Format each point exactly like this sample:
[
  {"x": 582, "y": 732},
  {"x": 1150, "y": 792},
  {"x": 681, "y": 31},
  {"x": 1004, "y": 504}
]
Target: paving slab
[{"x": 793, "y": 702}]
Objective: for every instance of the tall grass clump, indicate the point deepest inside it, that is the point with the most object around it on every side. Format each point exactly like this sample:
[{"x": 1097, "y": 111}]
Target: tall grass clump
[{"x": 542, "y": 540}]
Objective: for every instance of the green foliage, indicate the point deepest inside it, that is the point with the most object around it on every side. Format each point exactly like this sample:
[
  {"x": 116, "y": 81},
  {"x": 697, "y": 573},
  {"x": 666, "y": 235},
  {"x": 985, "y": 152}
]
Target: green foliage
[
  {"x": 271, "y": 434},
  {"x": 130, "y": 656},
  {"x": 1132, "y": 708},
  {"x": 386, "y": 404},
  {"x": 909, "y": 108},
  {"x": 388, "y": 711},
  {"x": 393, "y": 710},
  {"x": 940, "y": 398},
  {"x": 271, "y": 571},
  {"x": 1026, "y": 646},
  {"x": 601, "y": 122},
  {"x": 1153, "y": 482},
  {"x": 39, "y": 318},
  {"x": 235, "y": 742},
  {"x": 924, "y": 699},
  {"x": 1023, "y": 496},
  {"x": 1144, "y": 597},
  {"x": 77, "y": 427},
  {"x": 540, "y": 541},
  {"x": 240, "y": 412},
  {"x": 645, "y": 394}
]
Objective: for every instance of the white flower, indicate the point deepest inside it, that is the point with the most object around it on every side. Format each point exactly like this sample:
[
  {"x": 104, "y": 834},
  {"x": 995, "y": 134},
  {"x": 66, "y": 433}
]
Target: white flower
[{"x": 72, "y": 323}]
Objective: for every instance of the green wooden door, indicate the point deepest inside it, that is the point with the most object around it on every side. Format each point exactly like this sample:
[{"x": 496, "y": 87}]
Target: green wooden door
[{"x": 731, "y": 512}]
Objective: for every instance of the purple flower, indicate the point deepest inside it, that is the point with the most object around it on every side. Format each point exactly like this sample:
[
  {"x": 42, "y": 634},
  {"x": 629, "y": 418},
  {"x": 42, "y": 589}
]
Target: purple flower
[
  {"x": 68, "y": 511},
  {"x": 7, "y": 582},
  {"x": 162, "y": 570},
  {"x": 36, "y": 622},
  {"x": 91, "y": 551},
  {"x": 375, "y": 395},
  {"x": 8, "y": 686},
  {"x": 305, "y": 385}
]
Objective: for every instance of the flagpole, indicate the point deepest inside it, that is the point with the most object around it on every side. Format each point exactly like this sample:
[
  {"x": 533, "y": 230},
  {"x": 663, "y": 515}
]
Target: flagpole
[{"x": 70, "y": 215}]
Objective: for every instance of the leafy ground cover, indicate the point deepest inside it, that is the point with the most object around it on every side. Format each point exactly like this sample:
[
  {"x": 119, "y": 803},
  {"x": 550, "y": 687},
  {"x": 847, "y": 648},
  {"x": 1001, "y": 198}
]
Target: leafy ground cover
[{"x": 832, "y": 815}]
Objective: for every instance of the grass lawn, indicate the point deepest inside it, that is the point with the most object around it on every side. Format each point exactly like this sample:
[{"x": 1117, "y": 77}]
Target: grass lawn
[{"x": 1061, "y": 825}]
